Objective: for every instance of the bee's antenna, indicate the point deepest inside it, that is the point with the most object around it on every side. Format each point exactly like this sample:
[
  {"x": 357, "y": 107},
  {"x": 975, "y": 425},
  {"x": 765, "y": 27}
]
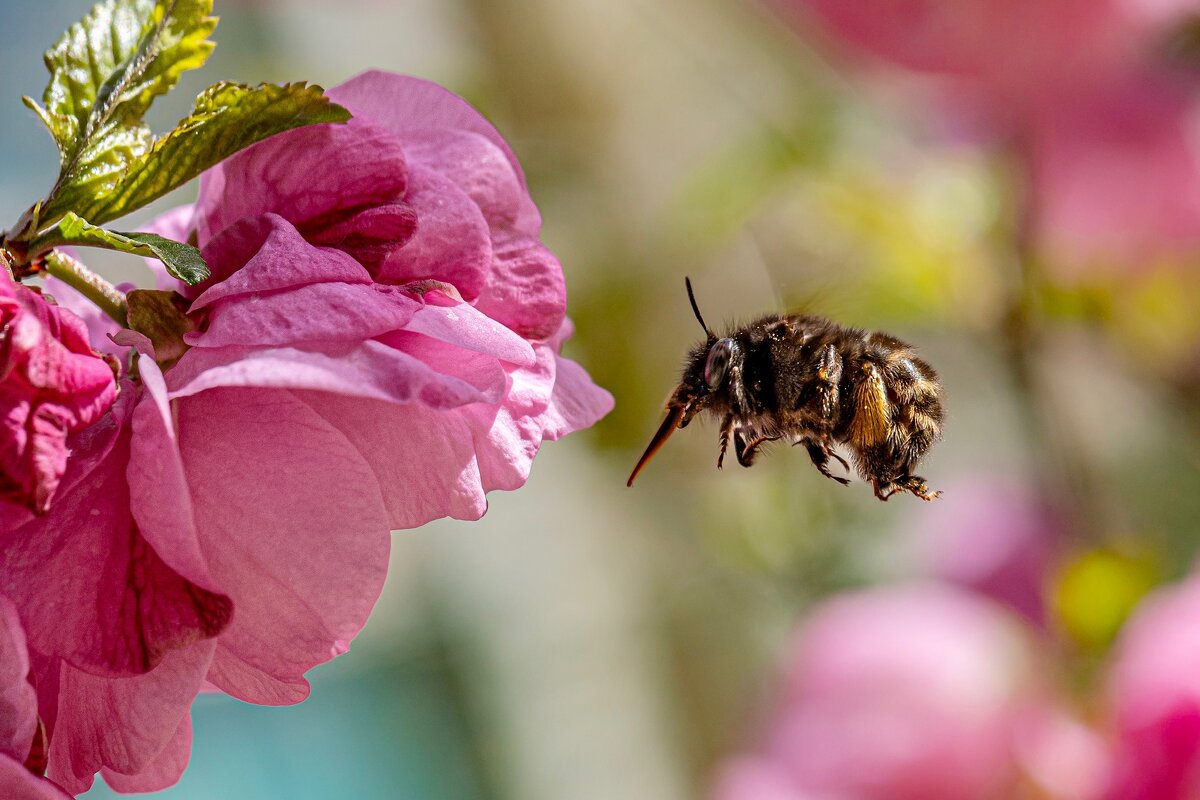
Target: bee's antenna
[{"x": 695, "y": 308}]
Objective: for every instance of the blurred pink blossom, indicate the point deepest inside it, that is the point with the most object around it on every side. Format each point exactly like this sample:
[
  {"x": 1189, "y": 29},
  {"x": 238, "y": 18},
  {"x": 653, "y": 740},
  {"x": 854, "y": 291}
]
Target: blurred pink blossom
[
  {"x": 1115, "y": 175},
  {"x": 1011, "y": 57},
  {"x": 1081, "y": 90},
  {"x": 378, "y": 347},
  {"x": 51, "y": 384},
  {"x": 994, "y": 536},
  {"x": 906, "y": 692},
  {"x": 918, "y": 692},
  {"x": 1154, "y": 692}
]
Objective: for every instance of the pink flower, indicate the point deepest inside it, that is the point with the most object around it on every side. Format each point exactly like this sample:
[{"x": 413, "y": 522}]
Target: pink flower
[
  {"x": 378, "y": 347},
  {"x": 18, "y": 716},
  {"x": 51, "y": 384},
  {"x": 1154, "y": 691},
  {"x": 1115, "y": 175},
  {"x": 1081, "y": 90},
  {"x": 393, "y": 267},
  {"x": 991, "y": 536},
  {"x": 1011, "y": 58},
  {"x": 903, "y": 692}
]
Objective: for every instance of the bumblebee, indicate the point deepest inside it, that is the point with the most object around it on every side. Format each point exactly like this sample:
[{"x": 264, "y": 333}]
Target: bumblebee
[{"x": 806, "y": 380}]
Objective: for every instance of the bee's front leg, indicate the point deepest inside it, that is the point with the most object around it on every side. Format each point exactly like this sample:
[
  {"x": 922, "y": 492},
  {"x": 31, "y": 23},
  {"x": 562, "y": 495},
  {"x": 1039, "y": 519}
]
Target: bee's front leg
[
  {"x": 726, "y": 431},
  {"x": 820, "y": 453},
  {"x": 747, "y": 451}
]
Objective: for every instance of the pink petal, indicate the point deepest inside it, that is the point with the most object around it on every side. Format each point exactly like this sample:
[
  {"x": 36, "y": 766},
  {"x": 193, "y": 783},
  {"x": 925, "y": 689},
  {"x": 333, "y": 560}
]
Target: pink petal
[
  {"x": 178, "y": 224},
  {"x": 1156, "y": 660},
  {"x": 51, "y": 383},
  {"x": 425, "y": 461},
  {"x": 253, "y": 682},
  {"x": 318, "y": 313},
  {"x": 370, "y": 370},
  {"x": 452, "y": 242},
  {"x": 456, "y": 376},
  {"x": 462, "y": 325},
  {"x": 160, "y": 497},
  {"x": 89, "y": 587},
  {"x": 433, "y": 464},
  {"x": 124, "y": 724},
  {"x": 18, "y": 783},
  {"x": 303, "y": 175},
  {"x": 99, "y": 325},
  {"x": 165, "y": 770},
  {"x": 508, "y": 438},
  {"x": 406, "y": 106},
  {"x": 48, "y": 425},
  {"x": 294, "y": 532},
  {"x": 267, "y": 253},
  {"x": 526, "y": 290},
  {"x": 370, "y": 236},
  {"x": 546, "y": 401},
  {"x": 477, "y": 166},
  {"x": 18, "y": 700},
  {"x": 89, "y": 447},
  {"x": 1062, "y": 756},
  {"x": 577, "y": 402}
]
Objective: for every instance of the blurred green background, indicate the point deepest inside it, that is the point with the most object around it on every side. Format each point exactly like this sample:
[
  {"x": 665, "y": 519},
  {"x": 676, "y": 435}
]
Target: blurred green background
[{"x": 585, "y": 640}]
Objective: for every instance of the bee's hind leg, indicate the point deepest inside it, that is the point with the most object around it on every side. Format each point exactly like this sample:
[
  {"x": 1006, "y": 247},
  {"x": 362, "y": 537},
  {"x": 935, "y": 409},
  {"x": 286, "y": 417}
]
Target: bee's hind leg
[
  {"x": 820, "y": 454},
  {"x": 915, "y": 484},
  {"x": 748, "y": 451}
]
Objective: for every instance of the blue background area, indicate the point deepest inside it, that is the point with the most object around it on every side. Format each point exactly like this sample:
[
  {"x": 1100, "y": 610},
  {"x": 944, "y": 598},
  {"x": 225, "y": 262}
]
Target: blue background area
[{"x": 371, "y": 731}]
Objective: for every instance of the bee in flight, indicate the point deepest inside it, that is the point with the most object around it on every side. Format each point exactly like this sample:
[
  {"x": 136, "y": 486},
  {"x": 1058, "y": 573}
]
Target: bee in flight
[{"x": 807, "y": 380}]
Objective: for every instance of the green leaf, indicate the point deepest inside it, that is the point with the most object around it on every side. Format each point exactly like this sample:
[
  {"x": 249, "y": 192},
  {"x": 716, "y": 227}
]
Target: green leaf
[
  {"x": 107, "y": 161},
  {"x": 81, "y": 60},
  {"x": 227, "y": 117},
  {"x": 105, "y": 72},
  {"x": 181, "y": 260}
]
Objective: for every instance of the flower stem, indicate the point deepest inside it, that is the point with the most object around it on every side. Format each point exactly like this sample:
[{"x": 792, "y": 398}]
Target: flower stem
[{"x": 73, "y": 273}]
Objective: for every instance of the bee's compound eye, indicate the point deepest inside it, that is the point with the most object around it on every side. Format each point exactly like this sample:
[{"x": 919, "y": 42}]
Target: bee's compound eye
[{"x": 717, "y": 365}]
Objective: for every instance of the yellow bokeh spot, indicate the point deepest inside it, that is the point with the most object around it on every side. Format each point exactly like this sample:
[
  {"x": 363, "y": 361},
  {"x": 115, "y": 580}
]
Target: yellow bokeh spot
[{"x": 1096, "y": 592}]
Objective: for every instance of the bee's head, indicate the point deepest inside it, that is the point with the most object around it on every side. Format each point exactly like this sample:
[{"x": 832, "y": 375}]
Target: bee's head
[
  {"x": 723, "y": 355},
  {"x": 711, "y": 367},
  {"x": 706, "y": 372}
]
